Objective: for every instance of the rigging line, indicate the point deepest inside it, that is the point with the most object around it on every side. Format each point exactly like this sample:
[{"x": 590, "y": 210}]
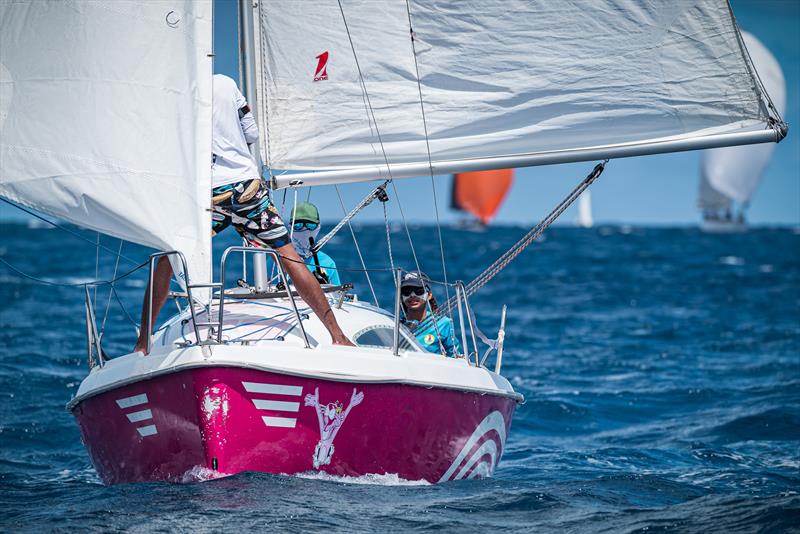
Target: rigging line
[
  {"x": 518, "y": 247},
  {"x": 499, "y": 264},
  {"x": 377, "y": 130},
  {"x": 108, "y": 302},
  {"x": 96, "y": 267},
  {"x": 77, "y": 284},
  {"x": 379, "y": 193},
  {"x": 428, "y": 149},
  {"x": 122, "y": 306},
  {"x": 60, "y": 227},
  {"x": 388, "y": 236},
  {"x": 405, "y": 225},
  {"x": 364, "y": 89},
  {"x": 358, "y": 249}
]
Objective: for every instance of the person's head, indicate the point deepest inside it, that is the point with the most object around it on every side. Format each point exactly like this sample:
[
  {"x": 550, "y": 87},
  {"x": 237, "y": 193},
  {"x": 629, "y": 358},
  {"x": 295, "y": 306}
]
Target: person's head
[
  {"x": 305, "y": 227},
  {"x": 414, "y": 291}
]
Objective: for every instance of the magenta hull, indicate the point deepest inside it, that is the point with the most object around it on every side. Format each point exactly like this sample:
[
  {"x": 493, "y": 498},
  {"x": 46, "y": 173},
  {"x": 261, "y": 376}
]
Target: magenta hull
[{"x": 231, "y": 420}]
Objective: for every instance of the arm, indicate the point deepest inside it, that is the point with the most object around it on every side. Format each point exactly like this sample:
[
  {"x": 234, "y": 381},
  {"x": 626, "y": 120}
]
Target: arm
[
  {"x": 246, "y": 119},
  {"x": 249, "y": 127},
  {"x": 451, "y": 345}
]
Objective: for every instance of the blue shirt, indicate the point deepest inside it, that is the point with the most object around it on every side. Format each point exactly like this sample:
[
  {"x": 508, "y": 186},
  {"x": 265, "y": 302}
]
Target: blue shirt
[
  {"x": 429, "y": 339},
  {"x": 326, "y": 265}
]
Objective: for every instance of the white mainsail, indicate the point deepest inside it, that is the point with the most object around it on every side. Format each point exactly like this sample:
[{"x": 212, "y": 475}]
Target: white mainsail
[
  {"x": 504, "y": 83},
  {"x": 733, "y": 173},
  {"x": 105, "y": 118}
]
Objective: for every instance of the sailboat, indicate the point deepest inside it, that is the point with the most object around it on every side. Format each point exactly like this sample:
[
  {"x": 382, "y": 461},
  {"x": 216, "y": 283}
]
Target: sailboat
[
  {"x": 480, "y": 194},
  {"x": 729, "y": 177},
  {"x": 584, "y": 218},
  {"x": 106, "y": 122}
]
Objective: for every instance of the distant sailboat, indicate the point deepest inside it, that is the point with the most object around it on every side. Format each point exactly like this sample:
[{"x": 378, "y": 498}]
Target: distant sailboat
[
  {"x": 730, "y": 176},
  {"x": 584, "y": 219},
  {"x": 481, "y": 193}
]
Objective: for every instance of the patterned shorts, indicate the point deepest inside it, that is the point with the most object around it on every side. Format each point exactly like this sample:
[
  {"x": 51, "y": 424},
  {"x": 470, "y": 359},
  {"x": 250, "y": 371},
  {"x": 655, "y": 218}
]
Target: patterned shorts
[{"x": 247, "y": 206}]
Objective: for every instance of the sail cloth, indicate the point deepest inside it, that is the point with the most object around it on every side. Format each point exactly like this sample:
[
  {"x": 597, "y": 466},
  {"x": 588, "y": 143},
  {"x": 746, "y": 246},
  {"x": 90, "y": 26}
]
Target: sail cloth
[
  {"x": 733, "y": 173},
  {"x": 105, "y": 118},
  {"x": 481, "y": 193},
  {"x": 502, "y": 82}
]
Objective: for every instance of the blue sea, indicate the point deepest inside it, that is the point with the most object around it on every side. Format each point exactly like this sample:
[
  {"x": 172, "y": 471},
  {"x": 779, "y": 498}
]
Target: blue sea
[{"x": 660, "y": 367}]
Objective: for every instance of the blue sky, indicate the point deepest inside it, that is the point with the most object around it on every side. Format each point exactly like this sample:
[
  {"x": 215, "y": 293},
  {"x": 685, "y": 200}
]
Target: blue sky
[{"x": 657, "y": 190}]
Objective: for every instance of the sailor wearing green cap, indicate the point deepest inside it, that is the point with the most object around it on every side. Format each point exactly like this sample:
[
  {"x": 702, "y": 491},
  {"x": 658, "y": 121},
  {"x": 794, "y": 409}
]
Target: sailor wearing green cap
[{"x": 305, "y": 228}]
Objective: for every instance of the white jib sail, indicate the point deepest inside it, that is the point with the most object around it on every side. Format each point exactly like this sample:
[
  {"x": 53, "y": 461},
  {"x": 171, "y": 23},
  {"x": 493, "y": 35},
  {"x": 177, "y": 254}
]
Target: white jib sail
[
  {"x": 733, "y": 173},
  {"x": 499, "y": 79},
  {"x": 105, "y": 118}
]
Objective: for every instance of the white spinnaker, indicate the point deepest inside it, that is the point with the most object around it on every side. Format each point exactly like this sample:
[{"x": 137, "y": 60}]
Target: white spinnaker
[
  {"x": 106, "y": 118},
  {"x": 499, "y": 78},
  {"x": 735, "y": 172}
]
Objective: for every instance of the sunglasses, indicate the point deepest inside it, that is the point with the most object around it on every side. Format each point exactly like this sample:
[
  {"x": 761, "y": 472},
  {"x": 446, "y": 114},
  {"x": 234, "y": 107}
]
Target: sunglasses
[
  {"x": 298, "y": 226},
  {"x": 408, "y": 291}
]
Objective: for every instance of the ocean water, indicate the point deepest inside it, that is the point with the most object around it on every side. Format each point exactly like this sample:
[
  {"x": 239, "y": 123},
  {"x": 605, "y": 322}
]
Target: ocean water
[{"x": 661, "y": 370}]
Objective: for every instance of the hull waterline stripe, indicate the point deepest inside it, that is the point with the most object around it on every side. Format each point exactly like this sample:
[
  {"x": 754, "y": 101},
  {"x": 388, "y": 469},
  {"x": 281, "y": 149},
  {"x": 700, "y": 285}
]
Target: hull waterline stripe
[
  {"x": 148, "y": 430},
  {"x": 135, "y": 417},
  {"x": 281, "y": 406},
  {"x": 275, "y": 389},
  {"x": 284, "y": 422},
  {"x": 136, "y": 400}
]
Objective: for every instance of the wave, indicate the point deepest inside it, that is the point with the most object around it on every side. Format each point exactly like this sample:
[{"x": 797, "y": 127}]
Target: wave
[{"x": 389, "y": 479}]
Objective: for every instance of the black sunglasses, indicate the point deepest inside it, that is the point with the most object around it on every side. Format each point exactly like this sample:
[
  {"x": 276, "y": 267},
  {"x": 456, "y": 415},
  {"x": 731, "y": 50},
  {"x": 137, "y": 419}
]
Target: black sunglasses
[{"x": 408, "y": 291}]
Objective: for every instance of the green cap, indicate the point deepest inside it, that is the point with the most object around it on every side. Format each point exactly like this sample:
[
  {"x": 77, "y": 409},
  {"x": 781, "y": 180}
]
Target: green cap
[{"x": 305, "y": 211}]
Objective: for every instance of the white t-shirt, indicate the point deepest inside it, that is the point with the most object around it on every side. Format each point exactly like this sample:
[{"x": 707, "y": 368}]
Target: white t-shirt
[{"x": 232, "y": 161}]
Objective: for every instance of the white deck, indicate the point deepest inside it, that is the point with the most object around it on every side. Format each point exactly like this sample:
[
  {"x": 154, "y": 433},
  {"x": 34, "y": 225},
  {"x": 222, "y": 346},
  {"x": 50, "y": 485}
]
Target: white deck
[{"x": 263, "y": 334}]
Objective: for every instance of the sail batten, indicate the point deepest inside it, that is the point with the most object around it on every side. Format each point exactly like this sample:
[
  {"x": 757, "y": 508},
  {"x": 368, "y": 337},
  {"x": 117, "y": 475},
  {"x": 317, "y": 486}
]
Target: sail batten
[{"x": 498, "y": 79}]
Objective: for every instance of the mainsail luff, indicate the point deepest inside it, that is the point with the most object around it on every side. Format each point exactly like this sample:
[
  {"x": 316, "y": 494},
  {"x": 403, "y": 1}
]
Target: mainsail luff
[
  {"x": 105, "y": 116},
  {"x": 505, "y": 84}
]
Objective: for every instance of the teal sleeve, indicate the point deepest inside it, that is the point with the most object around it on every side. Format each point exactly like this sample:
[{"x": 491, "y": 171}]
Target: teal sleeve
[
  {"x": 451, "y": 345},
  {"x": 333, "y": 274}
]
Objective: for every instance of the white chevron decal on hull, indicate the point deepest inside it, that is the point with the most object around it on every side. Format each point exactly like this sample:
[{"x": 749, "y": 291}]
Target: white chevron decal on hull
[{"x": 492, "y": 422}]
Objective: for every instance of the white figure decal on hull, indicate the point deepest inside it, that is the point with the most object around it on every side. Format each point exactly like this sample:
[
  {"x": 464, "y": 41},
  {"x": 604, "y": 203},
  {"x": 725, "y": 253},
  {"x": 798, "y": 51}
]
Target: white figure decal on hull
[{"x": 331, "y": 417}]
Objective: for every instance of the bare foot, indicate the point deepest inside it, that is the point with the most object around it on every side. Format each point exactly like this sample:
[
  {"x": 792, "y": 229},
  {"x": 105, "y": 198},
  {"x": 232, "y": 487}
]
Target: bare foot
[
  {"x": 140, "y": 348},
  {"x": 344, "y": 342}
]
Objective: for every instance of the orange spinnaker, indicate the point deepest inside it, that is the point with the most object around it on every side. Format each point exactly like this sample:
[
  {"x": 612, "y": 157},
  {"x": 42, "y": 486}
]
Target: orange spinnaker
[{"x": 481, "y": 193}]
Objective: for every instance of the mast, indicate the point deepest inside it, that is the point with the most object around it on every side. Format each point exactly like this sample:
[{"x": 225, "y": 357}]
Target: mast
[{"x": 248, "y": 80}]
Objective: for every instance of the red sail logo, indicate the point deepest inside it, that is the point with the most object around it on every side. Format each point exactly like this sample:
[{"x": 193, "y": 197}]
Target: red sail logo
[{"x": 322, "y": 67}]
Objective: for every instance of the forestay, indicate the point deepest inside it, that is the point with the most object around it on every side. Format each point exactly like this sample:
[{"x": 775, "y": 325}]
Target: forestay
[
  {"x": 504, "y": 83},
  {"x": 734, "y": 173},
  {"x": 105, "y": 118}
]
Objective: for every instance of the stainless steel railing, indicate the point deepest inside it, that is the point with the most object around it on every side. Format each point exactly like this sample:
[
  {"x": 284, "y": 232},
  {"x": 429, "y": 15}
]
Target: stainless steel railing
[{"x": 284, "y": 279}]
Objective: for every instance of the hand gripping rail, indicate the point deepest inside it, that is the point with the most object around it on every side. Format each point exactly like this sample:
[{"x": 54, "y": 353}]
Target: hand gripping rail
[{"x": 284, "y": 279}]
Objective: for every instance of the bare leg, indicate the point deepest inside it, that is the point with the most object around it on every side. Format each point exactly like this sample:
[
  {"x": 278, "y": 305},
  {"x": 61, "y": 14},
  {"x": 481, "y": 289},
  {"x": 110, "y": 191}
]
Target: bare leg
[
  {"x": 309, "y": 290},
  {"x": 161, "y": 279}
]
